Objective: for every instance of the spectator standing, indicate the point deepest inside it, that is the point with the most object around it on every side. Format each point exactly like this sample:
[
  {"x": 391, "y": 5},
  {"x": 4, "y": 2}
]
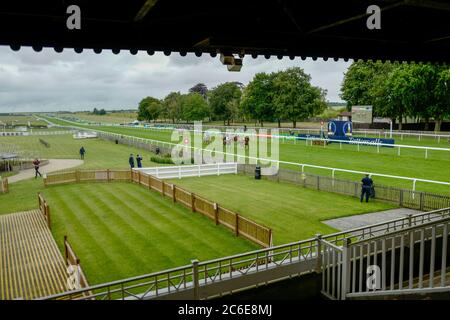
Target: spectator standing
[
  {"x": 131, "y": 161},
  {"x": 367, "y": 185},
  {"x": 36, "y": 164},
  {"x": 139, "y": 161},
  {"x": 82, "y": 152}
]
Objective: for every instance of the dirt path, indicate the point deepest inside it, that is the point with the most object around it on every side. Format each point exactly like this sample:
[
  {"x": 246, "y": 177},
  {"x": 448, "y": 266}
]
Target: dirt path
[
  {"x": 53, "y": 165},
  {"x": 356, "y": 221}
]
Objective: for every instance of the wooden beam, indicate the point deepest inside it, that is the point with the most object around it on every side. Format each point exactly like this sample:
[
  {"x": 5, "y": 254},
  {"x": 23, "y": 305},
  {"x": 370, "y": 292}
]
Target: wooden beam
[{"x": 148, "y": 5}]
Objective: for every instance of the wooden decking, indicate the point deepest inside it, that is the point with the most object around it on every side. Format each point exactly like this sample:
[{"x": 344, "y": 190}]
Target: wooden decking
[{"x": 31, "y": 265}]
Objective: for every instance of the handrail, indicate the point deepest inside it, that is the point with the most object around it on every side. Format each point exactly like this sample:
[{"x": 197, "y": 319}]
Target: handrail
[
  {"x": 265, "y": 253},
  {"x": 404, "y": 230}
]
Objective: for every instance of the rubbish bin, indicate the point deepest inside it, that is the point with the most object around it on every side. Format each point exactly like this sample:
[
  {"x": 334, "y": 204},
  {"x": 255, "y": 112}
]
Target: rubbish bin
[{"x": 258, "y": 173}]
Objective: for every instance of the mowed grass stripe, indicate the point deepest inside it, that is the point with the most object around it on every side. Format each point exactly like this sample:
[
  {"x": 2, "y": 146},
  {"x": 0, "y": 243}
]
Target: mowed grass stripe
[
  {"x": 121, "y": 221},
  {"x": 95, "y": 231},
  {"x": 178, "y": 225},
  {"x": 120, "y": 230},
  {"x": 293, "y": 212}
]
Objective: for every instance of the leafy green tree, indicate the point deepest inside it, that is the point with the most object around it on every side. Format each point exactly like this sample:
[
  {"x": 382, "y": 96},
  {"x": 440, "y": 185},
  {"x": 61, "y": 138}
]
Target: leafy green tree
[
  {"x": 149, "y": 109},
  {"x": 223, "y": 100},
  {"x": 172, "y": 105},
  {"x": 441, "y": 109},
  {"x": 257, "y": 97},
  {"x": 362, "y": 81},
  {"x": 194, "y": 107},
  {"x": 201, "y": 89},
  {"x": 295, "y": 98}
]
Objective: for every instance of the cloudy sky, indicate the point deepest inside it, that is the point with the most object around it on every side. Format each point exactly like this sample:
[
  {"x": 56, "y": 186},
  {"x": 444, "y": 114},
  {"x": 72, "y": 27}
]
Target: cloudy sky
[{"x": 50, "y": 81}]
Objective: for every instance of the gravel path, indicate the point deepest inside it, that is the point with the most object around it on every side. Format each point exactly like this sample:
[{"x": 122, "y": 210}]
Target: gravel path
[
  {"x": 53, "y": 165},
  {"x": 361, "y": 220}
]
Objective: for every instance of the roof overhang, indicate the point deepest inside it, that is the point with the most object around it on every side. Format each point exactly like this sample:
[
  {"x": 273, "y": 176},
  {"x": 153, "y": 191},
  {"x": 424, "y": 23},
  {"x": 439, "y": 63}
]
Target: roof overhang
[{"x": 417, "y": 30}]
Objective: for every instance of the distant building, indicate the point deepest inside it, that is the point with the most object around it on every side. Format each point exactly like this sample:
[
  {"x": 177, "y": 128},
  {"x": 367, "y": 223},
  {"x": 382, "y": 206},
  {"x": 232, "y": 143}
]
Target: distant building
[{"x": 345, "y": 116}]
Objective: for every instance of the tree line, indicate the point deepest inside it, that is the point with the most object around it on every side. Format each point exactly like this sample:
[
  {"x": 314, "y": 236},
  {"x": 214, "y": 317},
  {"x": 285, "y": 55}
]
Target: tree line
[
  {"x": 399, "y": 90},
  {"x": 286, "y": 95}
]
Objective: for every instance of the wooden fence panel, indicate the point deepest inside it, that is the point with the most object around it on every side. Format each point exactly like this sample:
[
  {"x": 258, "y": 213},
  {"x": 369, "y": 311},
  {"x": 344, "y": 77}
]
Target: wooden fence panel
[
  {"x": 205, "y": 207},
  {"x": 168, "y": 192},
  {"x": 72, "y": 259},
  {"x": 62, "y": 177},
  {"x": 254, "y": 231},
  {"x": 227, "y": 218},
  {"x": 4, "y": 186},
  {"x": 183, "y": 196}
]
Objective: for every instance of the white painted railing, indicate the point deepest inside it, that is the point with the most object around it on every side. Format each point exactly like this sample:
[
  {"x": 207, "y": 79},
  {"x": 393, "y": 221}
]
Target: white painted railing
[
  {"x": 355, "y": 141},
  {"x": 191, "y": 170},
  {"x": 242, "y": 158},
  {"x": 35, "y": 133},
  {"x": 398, "y": 262}
]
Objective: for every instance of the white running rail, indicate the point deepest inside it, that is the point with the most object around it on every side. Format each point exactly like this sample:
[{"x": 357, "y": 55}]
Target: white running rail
[{"x": 191, "y": 170}]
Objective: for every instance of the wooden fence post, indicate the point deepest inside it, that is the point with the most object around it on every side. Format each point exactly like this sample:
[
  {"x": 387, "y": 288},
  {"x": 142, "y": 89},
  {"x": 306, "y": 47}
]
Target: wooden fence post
[
  {"x": 139, "y": 177},
  {"x": 216, "y": 213},
  {"x": 193, "y": 202},
  {"x": 174, "y": 198},
  {"x": 77, "y": 175},
  {"x": 162, "y": 187},
  {"x": 237, "y": 225},
  {"x": 107, "y": 175},
  {"x": 47, "y": 214}
]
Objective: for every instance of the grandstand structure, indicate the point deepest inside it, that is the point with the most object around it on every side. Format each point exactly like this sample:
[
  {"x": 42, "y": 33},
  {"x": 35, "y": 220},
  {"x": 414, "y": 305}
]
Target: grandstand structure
[{"x": 411, "y": 253}]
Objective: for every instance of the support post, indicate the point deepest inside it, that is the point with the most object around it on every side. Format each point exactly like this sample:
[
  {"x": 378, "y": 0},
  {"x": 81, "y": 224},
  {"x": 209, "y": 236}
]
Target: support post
[
  {"x": 346, "y": 265},
  {"x": 319, "y": 253},
  {"x": 216, "y": 213},
  {"x": 174, "y": 193},
  {"x": 236, "y": 227},
  {"x": 195, "y": 279},
  {"x": 193, "y": 202}
]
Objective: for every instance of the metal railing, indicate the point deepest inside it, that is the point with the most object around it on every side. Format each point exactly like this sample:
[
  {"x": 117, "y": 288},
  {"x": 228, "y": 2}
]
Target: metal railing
[
  {"x": 400, "y": 259},
  {"x": 202, "y": 280}
]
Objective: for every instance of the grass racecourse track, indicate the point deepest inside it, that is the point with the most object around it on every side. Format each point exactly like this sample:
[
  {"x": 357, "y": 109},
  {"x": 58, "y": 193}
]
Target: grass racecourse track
[
  {"x": 100, "y": 154},
  {"x": 411, "y": 162},
  {"x": 120, "y": 230},
  {"x": 291, "y": 211}
]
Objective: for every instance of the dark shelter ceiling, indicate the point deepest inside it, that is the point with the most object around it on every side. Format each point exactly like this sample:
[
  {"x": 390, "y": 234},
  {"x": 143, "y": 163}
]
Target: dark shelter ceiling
[{"x": 415, "y": 30}]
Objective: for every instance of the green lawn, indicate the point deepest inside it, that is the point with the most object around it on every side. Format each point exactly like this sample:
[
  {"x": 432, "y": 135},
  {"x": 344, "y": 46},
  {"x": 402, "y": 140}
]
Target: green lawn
[
  {"x": 119, "y": 230},
  {"x": 411, "y": 163},
  {"x": 21, "y": 120},
  {"x": 101, "y": 154},
  {"x": 293, "y": 212}
]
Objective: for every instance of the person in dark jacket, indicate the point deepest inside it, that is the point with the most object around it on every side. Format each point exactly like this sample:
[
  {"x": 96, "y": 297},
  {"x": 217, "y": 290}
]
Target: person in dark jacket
[
  {"x": 131, "y": 161},
  {"x": 36, "y": 164},
  {"x": 82, "y": 152},
  {"x": 367, "y": 185},
  {"x": 139, "y": 161}
]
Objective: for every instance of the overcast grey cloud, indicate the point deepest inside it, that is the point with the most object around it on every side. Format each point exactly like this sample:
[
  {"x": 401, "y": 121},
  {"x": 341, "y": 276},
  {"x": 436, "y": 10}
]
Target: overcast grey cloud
[{"x": 50, "y": 81}]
